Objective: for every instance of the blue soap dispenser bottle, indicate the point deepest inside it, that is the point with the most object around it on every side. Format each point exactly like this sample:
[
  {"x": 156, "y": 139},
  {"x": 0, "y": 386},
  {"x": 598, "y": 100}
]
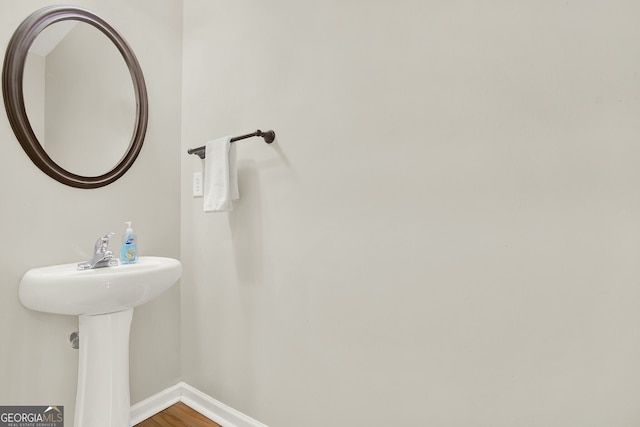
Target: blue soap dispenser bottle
[{"x": 129, "y": 250}]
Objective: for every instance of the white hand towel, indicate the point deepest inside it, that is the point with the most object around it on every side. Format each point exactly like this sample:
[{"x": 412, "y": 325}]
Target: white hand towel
[{"x": 220, "y": 176}]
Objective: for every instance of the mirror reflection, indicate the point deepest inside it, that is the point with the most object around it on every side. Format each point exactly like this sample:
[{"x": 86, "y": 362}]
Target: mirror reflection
[{"x": 79, "y": 97}]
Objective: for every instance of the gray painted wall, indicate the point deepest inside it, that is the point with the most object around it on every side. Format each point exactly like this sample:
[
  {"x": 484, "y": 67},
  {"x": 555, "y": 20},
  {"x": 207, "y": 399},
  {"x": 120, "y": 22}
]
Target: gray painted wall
[{"x": 447, "y": 233}]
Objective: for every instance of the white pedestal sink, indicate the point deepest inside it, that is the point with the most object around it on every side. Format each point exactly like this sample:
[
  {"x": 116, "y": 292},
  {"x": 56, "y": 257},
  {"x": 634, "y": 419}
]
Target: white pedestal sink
[{"x": 103, "y": 299}]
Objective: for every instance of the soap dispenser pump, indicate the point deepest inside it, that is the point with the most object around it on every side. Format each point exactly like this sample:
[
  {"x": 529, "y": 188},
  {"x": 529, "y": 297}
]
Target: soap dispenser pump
[{"x": 129, "y": 250}]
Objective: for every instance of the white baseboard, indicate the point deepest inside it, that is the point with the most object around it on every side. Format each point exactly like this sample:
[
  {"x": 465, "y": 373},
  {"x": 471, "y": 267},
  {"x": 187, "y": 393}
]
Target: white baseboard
[
  {"x": 195, "y": 399},
  {"x": 156, "y": 403}
]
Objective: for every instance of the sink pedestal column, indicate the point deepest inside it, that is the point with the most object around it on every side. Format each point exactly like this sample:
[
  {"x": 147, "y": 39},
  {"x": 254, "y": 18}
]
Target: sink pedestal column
[{"x": 103, "y": 370}]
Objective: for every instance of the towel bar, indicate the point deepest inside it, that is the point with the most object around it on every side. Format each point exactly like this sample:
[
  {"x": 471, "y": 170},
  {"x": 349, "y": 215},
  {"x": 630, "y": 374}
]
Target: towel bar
[{"x": 268, "y": 136}]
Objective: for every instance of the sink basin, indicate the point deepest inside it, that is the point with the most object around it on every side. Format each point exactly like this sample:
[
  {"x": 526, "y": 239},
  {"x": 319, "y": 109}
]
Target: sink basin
[
  {"x": 63, "y": 289},
  {"x": 103, "y": 299}
]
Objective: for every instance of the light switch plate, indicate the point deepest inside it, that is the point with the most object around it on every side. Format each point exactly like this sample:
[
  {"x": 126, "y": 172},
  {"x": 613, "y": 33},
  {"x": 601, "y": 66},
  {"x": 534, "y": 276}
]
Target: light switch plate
[{"x": 197, "y": 184}]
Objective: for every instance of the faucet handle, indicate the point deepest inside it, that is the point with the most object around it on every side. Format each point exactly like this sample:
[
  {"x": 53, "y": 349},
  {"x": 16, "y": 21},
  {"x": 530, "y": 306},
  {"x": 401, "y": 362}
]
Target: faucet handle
[{"x": 103, "y": 243}]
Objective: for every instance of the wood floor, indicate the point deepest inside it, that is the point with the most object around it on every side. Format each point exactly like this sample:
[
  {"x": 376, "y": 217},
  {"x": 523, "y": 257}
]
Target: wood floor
[{"x": 178, "y": 415}]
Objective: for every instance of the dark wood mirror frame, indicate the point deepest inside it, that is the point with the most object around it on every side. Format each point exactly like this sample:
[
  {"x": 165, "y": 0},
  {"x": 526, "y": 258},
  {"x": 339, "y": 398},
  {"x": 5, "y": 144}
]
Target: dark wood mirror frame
[{"x": 12, "y": 80}]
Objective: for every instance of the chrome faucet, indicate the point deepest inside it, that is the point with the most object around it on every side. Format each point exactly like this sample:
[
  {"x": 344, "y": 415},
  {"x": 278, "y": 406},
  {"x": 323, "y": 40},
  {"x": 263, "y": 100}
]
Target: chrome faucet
[{"x": 102, "y": 257}]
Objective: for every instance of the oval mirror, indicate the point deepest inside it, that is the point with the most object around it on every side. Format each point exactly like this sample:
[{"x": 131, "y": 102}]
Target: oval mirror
[{"x": 58, "y": 79}]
